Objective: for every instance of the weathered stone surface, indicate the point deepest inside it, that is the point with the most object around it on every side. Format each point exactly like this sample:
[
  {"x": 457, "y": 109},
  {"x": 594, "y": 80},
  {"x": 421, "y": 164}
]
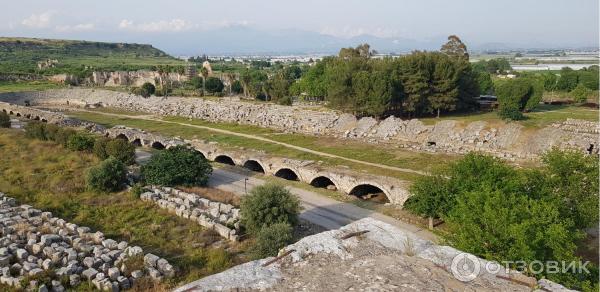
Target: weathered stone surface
[{"x": 68, "y": 250}]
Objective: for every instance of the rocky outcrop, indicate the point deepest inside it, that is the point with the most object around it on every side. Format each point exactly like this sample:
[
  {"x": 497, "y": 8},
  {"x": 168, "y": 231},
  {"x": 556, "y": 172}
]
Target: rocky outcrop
[
  {"x": 222, "y": 218},
  {"x": 369, "y": 255},
  {"x": 33, "y": 242},
  {"x": 508, "y": 140}
]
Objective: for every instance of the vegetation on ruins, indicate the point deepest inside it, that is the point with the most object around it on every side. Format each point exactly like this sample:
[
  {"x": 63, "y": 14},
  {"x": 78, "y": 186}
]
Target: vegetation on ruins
[
  {"x": 108, "y": 176},
  {"x": 146, "y": 90},
  {"x": 4, "y": 120},
  {"x": 270, "y": 239},
  {"x": 506, "y": 214},
  {"x": 177, "y": 165},
  {"x": 580, "y": 93},
  {"x": 267, "y": 205},
  {"x": 52, "y": 178},
  {"x": 214, "y": 85}
]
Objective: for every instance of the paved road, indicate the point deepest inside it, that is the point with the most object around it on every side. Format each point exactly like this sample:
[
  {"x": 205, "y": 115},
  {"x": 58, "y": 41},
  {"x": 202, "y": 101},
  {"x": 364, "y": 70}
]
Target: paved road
[
  {"x": 151, "y": 118},
  {"x": 320, "y": 210}
]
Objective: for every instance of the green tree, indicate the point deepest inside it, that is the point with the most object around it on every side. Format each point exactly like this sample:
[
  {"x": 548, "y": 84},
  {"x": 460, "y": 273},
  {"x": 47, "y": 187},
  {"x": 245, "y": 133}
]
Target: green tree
[
  {"x": 568, "y": 80},
  {"x": 121, "y": 150},
  {"x": 513, "y": 95},
  {"x": 486, "y": 85},
  {"x": 4, "y": 120},
  {"x": 589, "y": 79},
  {"x": 580, "y": 93},
  {"x": 432, "y": 197},
  {"x": 269, "y": 204},
  {"x": 214, "y": 85},
  {"x": 109, "y": 176},
  {"x": 270, "y": 239},
  {"x": 455, "y": 47},
  {"x": 80, "y": 142},
  {"x": 147, "y": 89},
  {"x": 99, "y": 148},
  {"x": 177, "y": 165}
]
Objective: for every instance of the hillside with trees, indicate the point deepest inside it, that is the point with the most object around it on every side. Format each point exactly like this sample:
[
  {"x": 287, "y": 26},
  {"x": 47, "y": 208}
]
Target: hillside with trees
[{"x": 80, "y": 58}]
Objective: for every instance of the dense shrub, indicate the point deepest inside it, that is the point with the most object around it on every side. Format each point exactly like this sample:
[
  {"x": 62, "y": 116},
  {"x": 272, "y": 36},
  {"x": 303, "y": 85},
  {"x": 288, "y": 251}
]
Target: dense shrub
[
  {"x": 177, "y": 166},
  {"x": 62, "y": 136},
  {"x": 51, "y": 131},
  {"x": 518, "y": 95},
  {"x": 236, "y": 87},
  {"x": 100, "y": 148},
  {"x": 214, "y": 85},
  {"x": 580, "y": 93},
  {"x": 269, "y": 204},
  {"x": 285, "y": 101},
  {"x": 35, "y": 130},
  {"x": 4, "y": 120},
  {"x": 147, "y": 89},
  {"x": 80, "y": 142},
  {"x": 121, "y": 150},
  {"x": 109, "y": 176},
  {"x": 270, "y": 239}
]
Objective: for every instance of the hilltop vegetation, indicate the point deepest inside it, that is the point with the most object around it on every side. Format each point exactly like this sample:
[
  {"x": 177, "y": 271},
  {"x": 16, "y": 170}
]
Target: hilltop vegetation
[{"x": 22, "y": 56}]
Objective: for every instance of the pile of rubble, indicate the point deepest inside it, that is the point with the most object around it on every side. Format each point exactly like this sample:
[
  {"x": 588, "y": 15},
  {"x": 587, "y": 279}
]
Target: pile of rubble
[
  {"x": 222, "y": 218},
  {"x": 34, "y": 242}
]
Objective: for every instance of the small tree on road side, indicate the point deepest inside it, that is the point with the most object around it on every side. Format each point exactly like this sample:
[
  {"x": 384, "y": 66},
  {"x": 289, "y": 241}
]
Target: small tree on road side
[
  {"x": 269, "y": 204},
  {"x": 270, "y": 239},
  {"x": 177, "y": 166}
]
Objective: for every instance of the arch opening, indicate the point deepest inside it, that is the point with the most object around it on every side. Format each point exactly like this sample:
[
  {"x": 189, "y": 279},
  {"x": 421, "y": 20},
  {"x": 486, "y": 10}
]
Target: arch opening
[
  {"x": 4, "y": 111},
  {"x": 122, "y": 136},
  {"x": 137, "y": 142},
  {"x": 369, "y": 192},
  {"x": 18, "y": 114},
  {"x": 11, "y": 113},
  {"x": 286, "y": 173},
  {"x": 323, "y": 182},
  {"x": 157, "y": 145},
  {"x": 254, "y": 166},
  {"x": 36, "y": 118},
  {"x": 27, "y": 116},
  {"x": 224, "y": 159},
  {"x": 44, "y": 120}
]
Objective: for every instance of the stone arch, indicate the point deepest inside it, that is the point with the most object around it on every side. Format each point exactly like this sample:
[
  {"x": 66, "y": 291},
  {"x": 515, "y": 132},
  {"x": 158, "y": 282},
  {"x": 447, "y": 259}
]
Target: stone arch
[
  {"x": 18, "y": 114},
  {"x": 157, "y": 145},
  {"x": 4, "y": 111},
  {"x": 11, "y": 113},
  {"x": 254, "y": 165},
  {"x": 27, "y": 116},
  {"x": 137, "y": 142},
  {"x": 44, "y": 120},
  {"x": 225, "y": 159},
  {"x": 370, "y": 191},
  {"x": 122, "y": 136},
  {"x": 287, "y": 173},
  {"x": 36, "y": 118},
  {"x": 323, "y": 182}
]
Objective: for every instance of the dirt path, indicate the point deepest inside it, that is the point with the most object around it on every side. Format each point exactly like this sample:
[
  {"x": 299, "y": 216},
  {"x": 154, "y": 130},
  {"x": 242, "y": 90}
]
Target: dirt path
[{"x": 249, "y": 136}]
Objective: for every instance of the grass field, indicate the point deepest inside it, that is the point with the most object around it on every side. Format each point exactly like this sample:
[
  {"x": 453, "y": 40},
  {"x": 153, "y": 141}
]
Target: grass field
[
  {"x": 382, "y": 154},
  {"x": 50, "y": 177},
  {"x": 538, "y": 118},
  {"x": 9, "y": 86}
]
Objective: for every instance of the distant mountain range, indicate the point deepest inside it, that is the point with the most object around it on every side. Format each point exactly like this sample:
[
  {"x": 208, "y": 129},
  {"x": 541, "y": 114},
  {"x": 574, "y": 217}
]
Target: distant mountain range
[{"x": 243, "y": 40}]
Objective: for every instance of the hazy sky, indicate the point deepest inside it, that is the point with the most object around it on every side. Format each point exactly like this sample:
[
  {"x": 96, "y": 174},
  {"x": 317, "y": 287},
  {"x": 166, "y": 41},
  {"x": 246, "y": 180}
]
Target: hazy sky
[{"x": 516, "y": 22}]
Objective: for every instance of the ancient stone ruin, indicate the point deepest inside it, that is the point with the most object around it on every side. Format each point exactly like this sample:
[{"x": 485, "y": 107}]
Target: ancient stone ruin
[
  {"x": 222, "y": 218},
  {"x": 34, "y": 242},
  {"x": 510, "y": 141}
]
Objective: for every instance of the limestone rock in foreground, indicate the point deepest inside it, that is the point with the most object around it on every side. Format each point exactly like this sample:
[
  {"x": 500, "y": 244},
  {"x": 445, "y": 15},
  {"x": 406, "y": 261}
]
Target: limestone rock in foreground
[
  {"x": 33, "y": 242},
  {"x": 384, "y": 259}
]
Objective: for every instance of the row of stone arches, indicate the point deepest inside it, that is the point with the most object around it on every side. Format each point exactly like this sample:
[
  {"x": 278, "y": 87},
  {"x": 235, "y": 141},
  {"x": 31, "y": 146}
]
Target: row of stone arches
[
  {"x": 28, "y": 116},
  {"x": 138, "y": 142},
  {"x": 364, "y": 191}
]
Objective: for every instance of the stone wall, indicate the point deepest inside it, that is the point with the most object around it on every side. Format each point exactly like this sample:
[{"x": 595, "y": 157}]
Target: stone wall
[
  {"x": 508, "y": 140},
  {"x": 33, "y": 241},
  {"x": 133, "y": 78},
  {"x": 222, "y": 218}
]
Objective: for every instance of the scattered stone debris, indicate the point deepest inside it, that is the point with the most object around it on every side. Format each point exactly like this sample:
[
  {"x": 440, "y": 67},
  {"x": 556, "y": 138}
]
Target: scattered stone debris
[
  {"x": 35, "y": 242},
  {"x": 222, "y": 218},
  {"x": 385, "y": 258}
]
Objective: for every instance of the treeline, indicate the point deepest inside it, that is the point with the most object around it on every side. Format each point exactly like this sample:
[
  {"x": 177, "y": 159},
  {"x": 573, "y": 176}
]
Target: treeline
[
  {"x": 413, "y": 85},
  {"x": 503, "y": 213}
]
